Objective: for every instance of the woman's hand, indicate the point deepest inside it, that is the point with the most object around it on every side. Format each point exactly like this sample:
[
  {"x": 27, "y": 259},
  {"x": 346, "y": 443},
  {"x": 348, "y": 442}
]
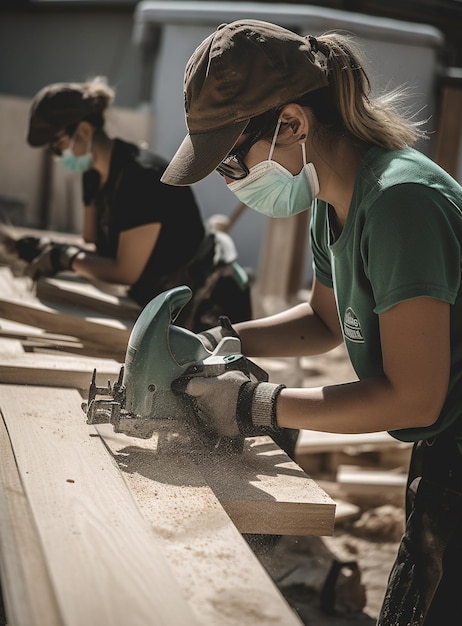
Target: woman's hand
[
  {"x": 231, "y": 404},
  {"x": 214, "y": 400}
]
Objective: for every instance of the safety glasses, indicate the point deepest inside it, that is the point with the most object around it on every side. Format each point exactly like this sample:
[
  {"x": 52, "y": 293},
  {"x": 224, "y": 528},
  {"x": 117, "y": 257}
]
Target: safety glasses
[{"x": 233, "y": 165}]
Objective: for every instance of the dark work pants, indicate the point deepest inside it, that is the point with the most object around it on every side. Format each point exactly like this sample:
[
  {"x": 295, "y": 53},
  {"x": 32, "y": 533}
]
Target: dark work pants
[{"x": 425, "y": 583}]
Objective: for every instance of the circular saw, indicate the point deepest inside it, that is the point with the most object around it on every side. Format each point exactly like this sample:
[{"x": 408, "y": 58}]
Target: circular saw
[{"x": 158, "y": 353}]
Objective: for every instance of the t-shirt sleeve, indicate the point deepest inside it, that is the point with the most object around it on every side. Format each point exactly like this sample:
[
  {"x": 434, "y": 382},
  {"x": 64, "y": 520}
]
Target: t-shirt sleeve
[
  {"x": 410, "y": 246},
  {"x": 319, "y": 239},
  {"x": 139, "y": 198},
  {"x": 90, "y": 185}
]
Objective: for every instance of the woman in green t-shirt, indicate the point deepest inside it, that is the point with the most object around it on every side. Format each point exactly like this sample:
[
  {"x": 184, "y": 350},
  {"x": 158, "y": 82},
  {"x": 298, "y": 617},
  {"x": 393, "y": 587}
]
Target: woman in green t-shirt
[{"x": 291, "y": 124}]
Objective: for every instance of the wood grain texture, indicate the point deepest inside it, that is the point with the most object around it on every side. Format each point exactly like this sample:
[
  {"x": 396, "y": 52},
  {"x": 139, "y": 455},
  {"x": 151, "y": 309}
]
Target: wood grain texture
[
  {"x": 27, "y": 590},
  {"x": 55, "y": 370},
  {"x": 77, "y": 292},
  {"x": 100, "y": 334},
  {"x": 104, "y": 563},
  {"x": 223, "y": 580},
  {"x": 108, "y": 335},
  {"x": 310, "y": 441},
  {"x": 261, "y": 489},
  {"x": 266, "y": 492}
]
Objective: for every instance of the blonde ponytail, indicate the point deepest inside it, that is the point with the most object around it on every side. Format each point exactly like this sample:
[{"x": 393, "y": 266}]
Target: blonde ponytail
[{"x": 378, "y": 120}]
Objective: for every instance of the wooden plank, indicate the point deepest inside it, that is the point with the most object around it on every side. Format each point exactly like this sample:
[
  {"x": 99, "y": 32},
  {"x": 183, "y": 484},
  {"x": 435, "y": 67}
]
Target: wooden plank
[
  {"x": 34, "y": 339},
  {"x": 105, "y": 335},
  {"x": 223, "y": 579},
  {"x": 321, "y": 454},
  {"x": 261, "y": 489},
  {"x": 101, "y": 335},
  {"x": 266, "y": 492},
  {"x": 13, "y": 286},
  {"x": 361, "y": 479},
  {"x": 372, "y": 487},
  {"x": 55, "y": 370},
  {"x": 82, "y": 294},
  {"x": 27, "y": 590},
  {"x": 311, "y": 441},
  {"x": 104, "y": 563},
  {"x": 11, "y": 348},
  {"x": 39, "y": 337},
  {"x": 16, "y": 330},
  {"x": 30, "y": 337},
  {"x": 39, "y": 340}
]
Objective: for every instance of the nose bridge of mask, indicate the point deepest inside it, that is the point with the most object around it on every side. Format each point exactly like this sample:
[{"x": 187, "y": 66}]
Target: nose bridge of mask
[{"x": 256, "y": 172}]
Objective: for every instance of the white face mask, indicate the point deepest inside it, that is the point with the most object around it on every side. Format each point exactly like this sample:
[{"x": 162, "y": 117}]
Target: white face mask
[
  {"x": 78, "y": 164},
  {"x": 272, "y": 190}
]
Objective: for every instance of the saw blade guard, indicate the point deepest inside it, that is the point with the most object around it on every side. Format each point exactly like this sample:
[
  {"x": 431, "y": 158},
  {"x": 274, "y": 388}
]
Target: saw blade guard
[{"x": 158, "y": 352}]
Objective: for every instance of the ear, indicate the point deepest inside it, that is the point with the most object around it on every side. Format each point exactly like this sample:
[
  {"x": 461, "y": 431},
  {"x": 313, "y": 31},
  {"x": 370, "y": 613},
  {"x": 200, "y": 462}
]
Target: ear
[
  {"x": 295, "y": 119},
  {"x": 85, "y": 130}
]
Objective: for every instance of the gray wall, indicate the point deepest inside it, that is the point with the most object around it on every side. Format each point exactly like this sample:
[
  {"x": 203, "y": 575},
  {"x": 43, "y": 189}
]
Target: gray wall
[{"x": 49, "y": 45}]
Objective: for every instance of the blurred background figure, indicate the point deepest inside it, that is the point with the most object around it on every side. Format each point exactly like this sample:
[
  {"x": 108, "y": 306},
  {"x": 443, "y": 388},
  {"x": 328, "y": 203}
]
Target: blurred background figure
[{"x": 142, "y": 233}]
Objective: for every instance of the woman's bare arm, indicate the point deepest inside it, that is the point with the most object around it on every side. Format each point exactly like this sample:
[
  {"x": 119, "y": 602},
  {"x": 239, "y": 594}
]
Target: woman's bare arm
[
  {"x": 135, "y": 248},
  {"x": 415, "y": 339},
  {"x": 305, "y": 329}
]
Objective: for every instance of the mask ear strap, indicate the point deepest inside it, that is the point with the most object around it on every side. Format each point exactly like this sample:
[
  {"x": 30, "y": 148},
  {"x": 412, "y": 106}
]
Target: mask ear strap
[
  {"x": 71, "y": 142},
  {"x": 304, "y": 154},
  {"x": 273, "y": 143}
]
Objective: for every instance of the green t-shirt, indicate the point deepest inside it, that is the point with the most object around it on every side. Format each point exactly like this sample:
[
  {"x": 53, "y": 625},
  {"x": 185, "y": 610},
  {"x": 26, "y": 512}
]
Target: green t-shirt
[{"x": 402, "y": 239}]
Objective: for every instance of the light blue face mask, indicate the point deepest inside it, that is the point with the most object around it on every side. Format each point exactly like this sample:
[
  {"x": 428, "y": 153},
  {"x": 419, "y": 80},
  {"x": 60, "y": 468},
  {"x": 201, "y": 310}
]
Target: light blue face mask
[
  {"x": 78, "y": 164},
  {"x": 271, "y": 189}
]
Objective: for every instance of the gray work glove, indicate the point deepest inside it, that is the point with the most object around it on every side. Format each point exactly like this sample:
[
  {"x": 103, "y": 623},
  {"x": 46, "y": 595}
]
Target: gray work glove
[
  {"x": 211, "y": 338},
  {"x": 231, "y": 404},
  {"x": 55, "y": 257}
]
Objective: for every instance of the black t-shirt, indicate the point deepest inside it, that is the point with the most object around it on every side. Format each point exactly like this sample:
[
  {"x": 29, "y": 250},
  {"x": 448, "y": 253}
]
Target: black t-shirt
[{"x": 133, "y": 196}]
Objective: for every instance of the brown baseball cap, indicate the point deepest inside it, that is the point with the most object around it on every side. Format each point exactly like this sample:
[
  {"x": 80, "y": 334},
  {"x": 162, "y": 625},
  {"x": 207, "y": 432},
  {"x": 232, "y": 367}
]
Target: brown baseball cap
[
  {"x": 243, "y": 69},
  {"x": 58, "y": 106}
]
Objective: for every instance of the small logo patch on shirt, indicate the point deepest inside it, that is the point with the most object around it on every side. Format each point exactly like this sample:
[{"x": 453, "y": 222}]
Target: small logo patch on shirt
[{"x": 352, "y": 327}]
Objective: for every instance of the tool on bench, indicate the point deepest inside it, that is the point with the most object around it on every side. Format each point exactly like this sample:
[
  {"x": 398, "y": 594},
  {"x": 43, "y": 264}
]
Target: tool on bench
[{"x": 159, "y": 352}]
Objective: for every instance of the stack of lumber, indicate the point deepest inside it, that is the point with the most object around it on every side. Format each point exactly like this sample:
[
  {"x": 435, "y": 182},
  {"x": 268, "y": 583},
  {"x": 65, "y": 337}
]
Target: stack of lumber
[
  {"x": 100, "y": 528},
  {"x": 363, "y": 470}
]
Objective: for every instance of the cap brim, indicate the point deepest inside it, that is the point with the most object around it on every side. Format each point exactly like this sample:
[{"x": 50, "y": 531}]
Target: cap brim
[{"x": 200, "y": 154}]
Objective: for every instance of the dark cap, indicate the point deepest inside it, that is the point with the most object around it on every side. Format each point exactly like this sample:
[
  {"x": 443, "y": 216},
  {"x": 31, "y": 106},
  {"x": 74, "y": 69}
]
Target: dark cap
[
  {"x": 243, "y": 69},
  {"x": 60, "y": 105}
]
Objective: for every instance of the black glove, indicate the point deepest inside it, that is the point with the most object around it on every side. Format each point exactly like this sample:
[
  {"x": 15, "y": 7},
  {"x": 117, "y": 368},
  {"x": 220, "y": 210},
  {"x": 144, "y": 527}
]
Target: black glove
[
  {"x": 28, "y": 248},
  {"x": 54, "y": 258},
  {"x": 231, "y": 404},
  {"x": 212, "y": 337}
]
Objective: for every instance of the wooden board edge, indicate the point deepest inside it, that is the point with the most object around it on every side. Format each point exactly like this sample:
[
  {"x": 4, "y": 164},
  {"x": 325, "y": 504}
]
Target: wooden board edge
[{"x": 27, "y": 589}]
